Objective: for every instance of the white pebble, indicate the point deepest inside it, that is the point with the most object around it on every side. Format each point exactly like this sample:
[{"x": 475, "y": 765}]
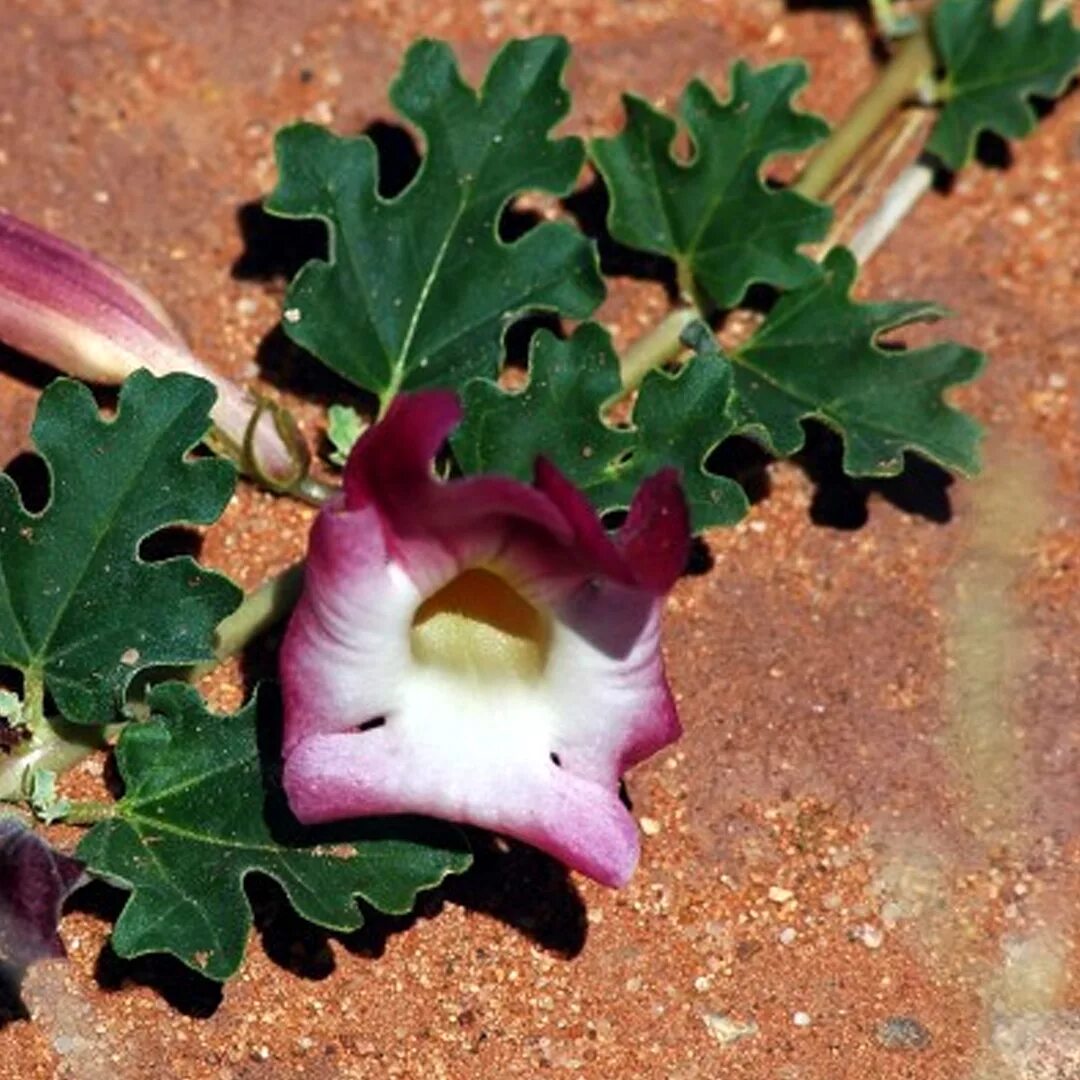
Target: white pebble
[{"x": 869, "y": 935}]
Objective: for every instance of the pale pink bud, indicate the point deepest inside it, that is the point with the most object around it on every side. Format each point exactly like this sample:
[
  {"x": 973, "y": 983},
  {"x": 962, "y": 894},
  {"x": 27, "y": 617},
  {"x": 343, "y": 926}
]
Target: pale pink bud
[{"x": 63, "y": 305}]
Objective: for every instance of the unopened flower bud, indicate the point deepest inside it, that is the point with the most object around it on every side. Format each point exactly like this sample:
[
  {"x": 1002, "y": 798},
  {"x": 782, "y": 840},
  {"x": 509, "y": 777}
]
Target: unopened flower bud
[{"x": 64, "y": 305}]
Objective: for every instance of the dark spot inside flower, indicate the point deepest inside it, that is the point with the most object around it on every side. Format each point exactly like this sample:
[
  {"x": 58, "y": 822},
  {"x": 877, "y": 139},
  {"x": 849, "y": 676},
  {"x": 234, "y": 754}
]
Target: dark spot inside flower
[
  {"x": 556, "y": 759},
  {"x": 371, "y": 725}
]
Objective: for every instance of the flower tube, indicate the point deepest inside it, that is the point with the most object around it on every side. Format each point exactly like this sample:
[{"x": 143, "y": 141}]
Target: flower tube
[
  {"x": 63, "y": 305},
  {"x": 479, "y": 650}
]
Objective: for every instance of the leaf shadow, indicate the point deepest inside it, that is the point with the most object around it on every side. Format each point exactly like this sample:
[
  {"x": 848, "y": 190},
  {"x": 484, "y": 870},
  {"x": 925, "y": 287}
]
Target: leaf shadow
[
  {"x": 274, "y": 251},
  {"x": 184, "y": 990},
  {"x": 860, "y": 7},
  {"x": 25, "y": 368},
  {"x": 839, "y": 501},
  {"x": 31, "y": 476},
  {"x": 12, "y": 1006},
  {"x": 589, "y": 206},
  {"x": 516, "y": 885}
]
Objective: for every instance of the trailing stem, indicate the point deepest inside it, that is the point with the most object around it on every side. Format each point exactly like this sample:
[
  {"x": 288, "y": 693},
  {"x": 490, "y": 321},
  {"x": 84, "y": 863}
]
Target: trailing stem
[{"x": 909, "y": 68}]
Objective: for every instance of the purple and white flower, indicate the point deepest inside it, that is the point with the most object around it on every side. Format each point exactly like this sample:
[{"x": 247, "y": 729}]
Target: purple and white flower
[{"x": 479, "y": 650}]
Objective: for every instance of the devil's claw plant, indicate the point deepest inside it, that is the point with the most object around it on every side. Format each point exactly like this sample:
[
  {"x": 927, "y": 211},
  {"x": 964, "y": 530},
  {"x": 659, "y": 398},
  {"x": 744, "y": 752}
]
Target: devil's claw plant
[{"x": 473, "y": 642}]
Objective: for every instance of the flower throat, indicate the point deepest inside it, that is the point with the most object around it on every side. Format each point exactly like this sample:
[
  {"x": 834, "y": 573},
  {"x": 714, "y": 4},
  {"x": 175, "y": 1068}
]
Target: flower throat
[{"x": 478, "y": 625}]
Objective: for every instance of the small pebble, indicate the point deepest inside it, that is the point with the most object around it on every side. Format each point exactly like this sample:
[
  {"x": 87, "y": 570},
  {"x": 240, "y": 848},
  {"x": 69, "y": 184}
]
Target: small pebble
[
  {"x": 788, "y": 935},
  {"x": 902, "y": 1033},
  {"x": 800, "y": 1019},
  {"x": 650, "y": 826},
  {"x": 726, "y": 1030},
  {"x": 870, "y": 936},
  {"x": 778, "y": 895}
]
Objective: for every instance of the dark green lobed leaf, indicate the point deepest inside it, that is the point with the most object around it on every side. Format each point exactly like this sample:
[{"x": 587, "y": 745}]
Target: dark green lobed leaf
[
  {"x": 198, "y": 816},
  {"x": 816, "y": 355},
  {"x": 78, "y": 607},
  {"x": 713, "y": 214},
  {"x": 677, "y": 420},
  {"x": 991, "y": 71},
  {"x": 419, "y": 289}
]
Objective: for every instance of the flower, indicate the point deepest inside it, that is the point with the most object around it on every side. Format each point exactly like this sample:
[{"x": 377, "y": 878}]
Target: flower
[
  {"x": 479, "y": 650},
  {"x": 35, "y": 881},
  {"x": 65, "y": 306}
]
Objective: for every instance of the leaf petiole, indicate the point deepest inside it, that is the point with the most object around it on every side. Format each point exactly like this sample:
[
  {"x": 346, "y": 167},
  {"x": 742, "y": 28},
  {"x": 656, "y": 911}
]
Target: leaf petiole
[
  {"x": 56, "y": 747},
  {"x": 86, "y": 812},
  {"x": 259, "y": 611},
  {"x": 659, "y": 346}
]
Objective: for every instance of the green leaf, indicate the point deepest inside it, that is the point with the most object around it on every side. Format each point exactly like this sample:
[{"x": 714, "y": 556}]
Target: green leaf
[
  {"x": 992, "y": 70},
  {"x": 713, "y": 215},
  {"x": 816, "y": 355},
  {"x": 198, "y": 816},
  {"x": 677, "y": 420},
  {"x": 344, "y": 426},
  {"x": 80, "y": 611},
  {"x": 420, "y": 288}
]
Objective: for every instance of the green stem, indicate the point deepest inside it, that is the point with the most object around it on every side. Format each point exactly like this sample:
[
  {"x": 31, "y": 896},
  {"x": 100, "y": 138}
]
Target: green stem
[
  {"x": 245, "y": 455},
  {"x": 913, "y": 62},
  {"x": 56, "y": 746},
  {"x": 313, "y": 492},
  {"x": 34, "y": 701},
  {"x": 88, "y": 812},
  {"x": 261, "y": 609},
  {"x": 660, "y": 345}
]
